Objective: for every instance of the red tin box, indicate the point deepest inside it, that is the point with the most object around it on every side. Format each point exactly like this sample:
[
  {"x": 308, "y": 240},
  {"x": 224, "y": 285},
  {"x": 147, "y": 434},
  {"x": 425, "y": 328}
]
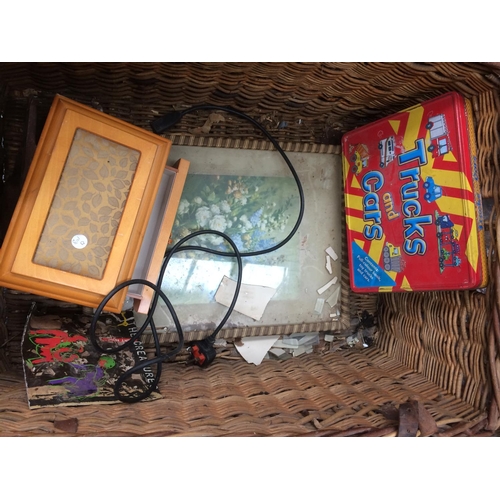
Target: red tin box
[{"x": 413, "y": 209}]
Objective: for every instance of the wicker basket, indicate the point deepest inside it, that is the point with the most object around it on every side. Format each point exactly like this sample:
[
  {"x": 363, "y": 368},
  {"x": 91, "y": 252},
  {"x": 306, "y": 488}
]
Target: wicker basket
[{"x": 434, "y": 369}]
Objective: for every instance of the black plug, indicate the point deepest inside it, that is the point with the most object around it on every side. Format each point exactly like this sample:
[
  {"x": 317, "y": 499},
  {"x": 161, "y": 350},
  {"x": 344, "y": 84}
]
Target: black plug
[
  {"x": 165, "y": 122},
  {"x": 203, "y": 352}
]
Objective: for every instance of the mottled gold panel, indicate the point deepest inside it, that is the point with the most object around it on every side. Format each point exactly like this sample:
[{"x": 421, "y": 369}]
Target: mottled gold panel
[{"x": 87, "y": 206}]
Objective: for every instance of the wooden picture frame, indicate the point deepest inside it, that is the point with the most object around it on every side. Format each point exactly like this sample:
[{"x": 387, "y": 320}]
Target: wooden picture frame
[
  {"x": 81, "y": 217},
  {"x": 158, "y": 233}
]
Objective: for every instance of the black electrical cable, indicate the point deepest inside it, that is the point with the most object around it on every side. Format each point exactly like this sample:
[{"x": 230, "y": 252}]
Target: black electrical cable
[
  {"x": 159, "y": 358},
  {"x": 159, "y": 126}
]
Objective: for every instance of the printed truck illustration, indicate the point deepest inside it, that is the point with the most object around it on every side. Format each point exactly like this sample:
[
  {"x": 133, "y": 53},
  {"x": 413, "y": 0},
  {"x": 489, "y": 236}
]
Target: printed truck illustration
[
  {"x": 392, "y": 258},
  {"x": 387, "y": 148},
  {"x": 440, "y": 141},
  {"x": 448, "y": 247},
  {"x": 432, "y": 191},
  {"x": 444, "y": 221},
  {"x": 359, "y": 158}
]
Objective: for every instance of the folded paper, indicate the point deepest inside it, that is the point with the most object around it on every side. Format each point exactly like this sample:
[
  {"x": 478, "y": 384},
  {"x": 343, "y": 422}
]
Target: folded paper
[{"x": 252, "y": 299}]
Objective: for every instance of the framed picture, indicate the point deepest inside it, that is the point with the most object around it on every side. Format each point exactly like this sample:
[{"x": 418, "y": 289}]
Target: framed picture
[
  {"x": 79, "y": 223},
  {"x": 252, "y": 197}
]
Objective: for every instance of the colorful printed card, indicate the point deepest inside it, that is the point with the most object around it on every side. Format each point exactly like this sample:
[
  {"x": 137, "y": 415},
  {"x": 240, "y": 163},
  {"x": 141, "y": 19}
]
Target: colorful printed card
[{"x": 62, "y": 367}]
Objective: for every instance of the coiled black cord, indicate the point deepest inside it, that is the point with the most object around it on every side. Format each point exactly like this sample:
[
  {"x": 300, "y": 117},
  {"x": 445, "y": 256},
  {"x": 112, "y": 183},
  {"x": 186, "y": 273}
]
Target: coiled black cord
[
  {"x": 159, "y": 126},
  {"x": 167, "y": 121},
  {"x": 160, "y": 358}
]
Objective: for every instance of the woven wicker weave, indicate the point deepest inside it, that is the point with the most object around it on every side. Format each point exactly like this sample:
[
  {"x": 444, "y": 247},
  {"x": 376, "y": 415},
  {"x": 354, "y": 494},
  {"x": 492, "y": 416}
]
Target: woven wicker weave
[{"x": 439, "y": 348}]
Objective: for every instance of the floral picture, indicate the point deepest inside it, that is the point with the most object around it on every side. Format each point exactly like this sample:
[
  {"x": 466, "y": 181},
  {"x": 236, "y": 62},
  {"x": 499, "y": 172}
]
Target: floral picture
[{"x": 255, "y": 212}]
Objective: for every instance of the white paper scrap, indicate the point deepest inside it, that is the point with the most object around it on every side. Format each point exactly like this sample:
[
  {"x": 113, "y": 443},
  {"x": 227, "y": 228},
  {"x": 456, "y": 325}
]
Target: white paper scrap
[
  {"x": 324, "y": 288},
  {"x": 254, "y": 349},
  {"x": 329, "y": 264},
  {"x": 252, "y": 300},
  {"x": 318, "y": 309},
  {"x": 334, "y": 297},
  {"x": 331, "y": 252}
]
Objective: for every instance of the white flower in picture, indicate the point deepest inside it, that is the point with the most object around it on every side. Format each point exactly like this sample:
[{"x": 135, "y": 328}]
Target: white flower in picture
[
  {"x": 246, "y": 224},
  {"x": 225, "y": 207},
  {"x": 218, "y": 223},
  {"x": 203, "y": 215},
  {"x": 216, "y": 240},
  {"x": 183, "y": 207}
]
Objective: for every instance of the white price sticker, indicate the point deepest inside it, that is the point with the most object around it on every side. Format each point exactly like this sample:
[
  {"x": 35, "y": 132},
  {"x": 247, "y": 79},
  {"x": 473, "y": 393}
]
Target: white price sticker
[{"x": 79, "y": 241}]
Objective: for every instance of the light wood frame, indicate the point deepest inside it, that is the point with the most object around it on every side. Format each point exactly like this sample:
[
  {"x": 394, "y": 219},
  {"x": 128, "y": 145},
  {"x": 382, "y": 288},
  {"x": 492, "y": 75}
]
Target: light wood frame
[
  {"x": 153, "y": 251},
  {"x": 17, "y": 269}
]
